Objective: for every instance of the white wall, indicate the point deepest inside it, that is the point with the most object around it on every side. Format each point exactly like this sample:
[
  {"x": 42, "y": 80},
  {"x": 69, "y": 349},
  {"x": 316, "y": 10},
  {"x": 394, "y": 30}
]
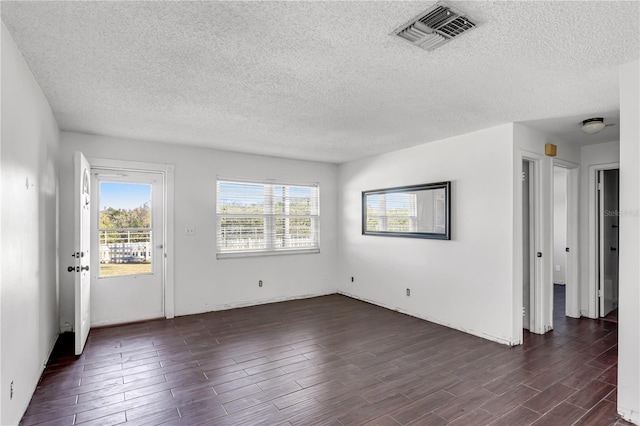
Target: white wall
[
  {"x": 464, "y": 283},
  {"x": 203, "y": 283},
  {"x": 559, "y": 224},
  {"x": 592, "y": 157},
  {"x": 629, "y": 307},
  {"x": 30, "y": 143}
]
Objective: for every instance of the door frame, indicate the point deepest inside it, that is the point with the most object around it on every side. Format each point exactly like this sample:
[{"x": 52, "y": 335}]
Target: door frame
[
  {"x": 572, "y": 305},
  {"x": 537, "y": 314},
  {"x": 592, "y": 279},
  {"x": 530, "y": 309},
  {"x": 167, "y": 172}
]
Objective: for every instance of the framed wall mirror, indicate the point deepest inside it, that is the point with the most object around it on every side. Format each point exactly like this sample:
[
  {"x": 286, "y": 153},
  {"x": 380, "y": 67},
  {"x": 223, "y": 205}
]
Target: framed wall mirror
[{"x": 417, "y": 211}]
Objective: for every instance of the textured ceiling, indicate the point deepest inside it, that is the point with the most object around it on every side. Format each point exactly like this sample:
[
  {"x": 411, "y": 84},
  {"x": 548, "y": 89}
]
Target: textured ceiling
[{"x": 320, "y": 80}]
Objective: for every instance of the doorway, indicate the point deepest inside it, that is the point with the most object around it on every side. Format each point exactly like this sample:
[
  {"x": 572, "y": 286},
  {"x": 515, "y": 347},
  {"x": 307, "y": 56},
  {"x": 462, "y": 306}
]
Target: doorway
[
  {"x": 564, "y": 263},
  {"x": 560, "y": 244},
  {"x": 528, "y": 244},
  {"x": 128, "y": 241},
  {"x": 608, "y": 186}
]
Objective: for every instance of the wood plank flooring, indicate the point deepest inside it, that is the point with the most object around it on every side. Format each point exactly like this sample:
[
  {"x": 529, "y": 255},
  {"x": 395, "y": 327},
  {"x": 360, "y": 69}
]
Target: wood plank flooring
[{"x": 328, "y": 360}]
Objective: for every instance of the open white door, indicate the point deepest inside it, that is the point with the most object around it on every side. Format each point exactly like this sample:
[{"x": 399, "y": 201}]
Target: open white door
[
  {"x": 128, "y": 246},
  {"x": 81, "y": 251},
  {"x": 608, "y": 190}
]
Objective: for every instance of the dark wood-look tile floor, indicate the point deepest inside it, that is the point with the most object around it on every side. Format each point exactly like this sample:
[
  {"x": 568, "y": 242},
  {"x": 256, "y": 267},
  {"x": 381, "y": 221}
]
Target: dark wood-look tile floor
[{"x": 328, "y": 360}]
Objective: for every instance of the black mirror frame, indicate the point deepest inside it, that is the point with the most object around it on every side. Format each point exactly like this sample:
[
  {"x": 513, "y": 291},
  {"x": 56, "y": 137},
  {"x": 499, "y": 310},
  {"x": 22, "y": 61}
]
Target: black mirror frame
[{"x": 428, "y": 235}]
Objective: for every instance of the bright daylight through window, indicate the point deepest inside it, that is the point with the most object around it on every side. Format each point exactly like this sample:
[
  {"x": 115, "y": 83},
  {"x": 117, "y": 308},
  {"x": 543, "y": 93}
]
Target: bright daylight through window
[
  {"x": 124, "y": 230},
  {"x": 266, "y": 218}
]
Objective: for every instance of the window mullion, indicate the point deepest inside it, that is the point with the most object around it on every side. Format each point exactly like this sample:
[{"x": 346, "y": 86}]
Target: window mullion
[
  {"x": 269, "y": 220},
  {"x": 383, "y": 212},
  {"x": 287, "y": 211},
  {"x": 315, "y": 214}
]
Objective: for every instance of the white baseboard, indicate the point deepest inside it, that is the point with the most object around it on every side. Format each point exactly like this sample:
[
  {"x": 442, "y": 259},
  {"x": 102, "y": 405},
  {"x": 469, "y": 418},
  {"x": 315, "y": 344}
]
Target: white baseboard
[{"x": 433, "y": 320}]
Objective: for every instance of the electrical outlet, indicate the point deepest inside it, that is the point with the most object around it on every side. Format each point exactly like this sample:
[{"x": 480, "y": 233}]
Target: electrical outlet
[
  {"x": 352, "y": 279},
  {"x": 190, "y": 230},
  {"x": 11, "y": 390},
  {"x": 260, "y": 283},
  {"x": 408, "y": 292}
]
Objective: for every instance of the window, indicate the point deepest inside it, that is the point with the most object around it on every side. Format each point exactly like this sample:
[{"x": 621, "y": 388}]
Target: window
[
  {"x": 266, "y": 218},
  {"x": 393, "y": 212},
  {"x": 124, "y": 229}
]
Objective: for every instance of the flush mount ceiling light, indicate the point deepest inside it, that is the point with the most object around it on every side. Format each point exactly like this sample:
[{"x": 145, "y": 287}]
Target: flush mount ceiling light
[
  {"x": 435, "y": 26},
  {"x": 593, "y": 125}
]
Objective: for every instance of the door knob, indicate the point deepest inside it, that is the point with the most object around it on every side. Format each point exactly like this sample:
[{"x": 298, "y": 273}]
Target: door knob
[
  {"x": 71, "y": 269},
  {"x": 539, "y": 254},
  {"x": 84, "y": 268}
]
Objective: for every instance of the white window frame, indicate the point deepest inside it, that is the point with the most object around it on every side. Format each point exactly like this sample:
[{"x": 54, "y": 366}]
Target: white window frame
[
  {"x": 270, "y": 220},
  {"x": 384, "y": 217}
]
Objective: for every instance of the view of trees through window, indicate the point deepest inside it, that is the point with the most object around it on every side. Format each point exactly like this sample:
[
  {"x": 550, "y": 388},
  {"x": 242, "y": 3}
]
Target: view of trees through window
[
  {"x": 256, "y": 216},
  {"x": 125, "y": 229},
  {"x": 139, "y": 217},
  {"x": 391, "y": 212}
]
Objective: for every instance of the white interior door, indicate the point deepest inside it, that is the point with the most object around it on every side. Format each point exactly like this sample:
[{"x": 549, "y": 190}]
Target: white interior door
[
  {"x": 528, "y": 245},
  {"x": 128, "y": 238},
  {"x": 608, "y": 192},
  {"x": 82, "y": 253}
]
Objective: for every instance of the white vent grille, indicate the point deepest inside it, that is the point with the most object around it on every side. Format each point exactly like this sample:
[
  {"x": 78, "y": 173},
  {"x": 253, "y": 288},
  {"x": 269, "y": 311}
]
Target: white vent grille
[{"x": 435, "y": 26}]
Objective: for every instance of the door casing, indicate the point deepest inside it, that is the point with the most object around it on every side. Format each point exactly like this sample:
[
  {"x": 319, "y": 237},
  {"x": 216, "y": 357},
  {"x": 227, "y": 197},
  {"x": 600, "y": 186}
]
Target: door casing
[
  {"x": 125, "y": 298},
  {"x": 572, "y": 306},
  {"x": 167, "y": 172},
  {"x": 536, "y": 313},
  {"x": 593, "y": 308},
  {"x": 607, "y": 259},
  {"x": 542, "y": 219}
]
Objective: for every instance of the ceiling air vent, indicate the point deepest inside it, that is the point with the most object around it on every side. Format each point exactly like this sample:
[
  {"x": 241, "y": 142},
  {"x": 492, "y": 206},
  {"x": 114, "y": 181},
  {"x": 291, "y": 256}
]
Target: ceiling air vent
[{"x": 435, "y": 26}]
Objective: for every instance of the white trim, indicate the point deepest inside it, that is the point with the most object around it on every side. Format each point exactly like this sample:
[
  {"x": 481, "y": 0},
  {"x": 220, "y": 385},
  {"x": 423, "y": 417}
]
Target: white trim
[
  {"x": 572, "y": 303},
  {"x": 125, "y": 320},
  {"x": 138, "y": 166},
  {"x": 257, "y": 253},
  {"x": 592, "y": 209},
  {"x": 167, "y": 170},
  {"x": 540, "y": 321},
  {"x": 242, "y": 304},
  {"x": 629, "y": 415},
  {"x": 501, "y": 340},
  {"x": 266, "y": 181},
  {"x": 169, "y": 264}
]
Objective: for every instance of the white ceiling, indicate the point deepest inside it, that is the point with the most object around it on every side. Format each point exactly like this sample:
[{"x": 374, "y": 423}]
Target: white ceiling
[{"x": 321, "y": 80}]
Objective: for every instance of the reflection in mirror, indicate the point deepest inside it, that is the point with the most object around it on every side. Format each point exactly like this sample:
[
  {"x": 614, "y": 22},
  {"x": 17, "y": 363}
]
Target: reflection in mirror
[{"x": 419, "y": 211}]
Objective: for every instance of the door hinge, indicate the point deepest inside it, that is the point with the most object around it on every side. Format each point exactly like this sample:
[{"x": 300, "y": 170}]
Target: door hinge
[
  {"x": 599, "y": 186},
  {"x": 524, "y": 311}
]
